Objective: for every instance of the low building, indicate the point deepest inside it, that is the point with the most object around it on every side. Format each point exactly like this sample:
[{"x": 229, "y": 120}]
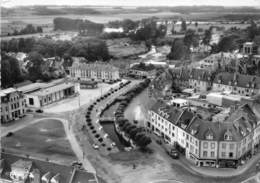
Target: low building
[
  {"x": 88, "y": 84},
  {"x": 179, "y": 102},
  {"x": 12, "y": 105},
  {"x": 249, "y": 48},
  {"x": 142, "y": 71},
  {"x": 46, "y": 177},
  {"x": 51, "y": 94},
  {"x": 35, "y": 176},
  {"x": 204, "y": 141},
  {"x": 20, "y": 171},
  {"x": 101, "y": 72},
  {"x": 237, "y": 83}
]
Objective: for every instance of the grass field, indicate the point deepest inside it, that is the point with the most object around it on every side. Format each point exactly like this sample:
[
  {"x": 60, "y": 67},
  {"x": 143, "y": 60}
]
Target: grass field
[
  {"x": 46, "y": 139},
  {"x": 124, "y": 47}
]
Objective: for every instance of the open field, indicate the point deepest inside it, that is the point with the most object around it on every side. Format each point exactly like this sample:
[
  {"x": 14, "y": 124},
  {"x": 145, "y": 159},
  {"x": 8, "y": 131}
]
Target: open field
[
  {"x": 120, "y": 48},
  {"x": 46, "y": 139}
]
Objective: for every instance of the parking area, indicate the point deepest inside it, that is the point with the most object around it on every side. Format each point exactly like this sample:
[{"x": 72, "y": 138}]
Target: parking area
[{"x": 86, "y": 96}]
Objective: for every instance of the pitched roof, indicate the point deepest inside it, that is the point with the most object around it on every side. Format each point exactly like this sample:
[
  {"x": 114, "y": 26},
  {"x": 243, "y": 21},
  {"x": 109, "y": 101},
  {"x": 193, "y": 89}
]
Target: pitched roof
[
  {"x": 200, "y": 74},
  {"x": 94, "y": 66},
  {"x": 239, "y": 80},
  {"x": 171, "y": 114},
  {"x": 239, "y": 124}
]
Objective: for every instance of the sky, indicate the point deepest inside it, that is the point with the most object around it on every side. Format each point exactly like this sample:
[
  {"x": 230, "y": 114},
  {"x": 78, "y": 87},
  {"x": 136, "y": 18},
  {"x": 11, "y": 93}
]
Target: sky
[{"x": 10, "y": 3}]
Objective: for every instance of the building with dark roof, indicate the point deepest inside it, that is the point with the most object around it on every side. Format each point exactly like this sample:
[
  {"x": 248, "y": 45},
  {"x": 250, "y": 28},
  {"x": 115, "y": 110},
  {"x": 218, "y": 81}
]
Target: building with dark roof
[
  {"x": 241, "y": 84},
  {"x": 199, "y": 79},
  {"x": 41, "y": 171},
  {"x": 207, "y": 142}
]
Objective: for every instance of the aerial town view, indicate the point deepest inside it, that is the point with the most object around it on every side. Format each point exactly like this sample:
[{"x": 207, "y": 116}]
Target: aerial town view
[{"x": 151, "y": 91}]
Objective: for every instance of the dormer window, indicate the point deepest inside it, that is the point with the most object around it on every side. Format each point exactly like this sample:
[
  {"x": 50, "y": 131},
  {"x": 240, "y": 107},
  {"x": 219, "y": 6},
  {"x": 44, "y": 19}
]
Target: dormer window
[
  {"x": 193, "y": 132},
  {"x": 227, "y": 137},
  {"x": 209, "y": 137}
]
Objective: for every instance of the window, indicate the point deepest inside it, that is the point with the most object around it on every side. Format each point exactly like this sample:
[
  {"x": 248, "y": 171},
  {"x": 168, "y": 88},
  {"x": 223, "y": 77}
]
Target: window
[
  {"x": 231, "y": 155},
  {"x": 205, "y": 153},
  {"x": 205, "y": 144},
  {"x": 173, "y": 127},
  {"x": 224, "y": 146},
  {"x": 172, "y": 134},
  {"x": 31, "y": 102},
  {"x": 196, "y": 143},
  {"x": 223, "y": 154},
  {"x": 212, "y": 154},
  {"x": 212, "y": 145},
  {"x": 209, "y": 137}
]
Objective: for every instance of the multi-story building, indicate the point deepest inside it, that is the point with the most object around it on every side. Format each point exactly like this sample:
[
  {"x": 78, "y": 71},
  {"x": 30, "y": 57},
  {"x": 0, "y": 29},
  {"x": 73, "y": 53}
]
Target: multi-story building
[
  {"x": 249, "y": 48},
  {"x": 207, "y": 142},
  {"x": 12, "y": 104},
  {"x": 200, "y": 80},
  {"x": 95, "y": 71},
  {"x": 237, "y": 83}
]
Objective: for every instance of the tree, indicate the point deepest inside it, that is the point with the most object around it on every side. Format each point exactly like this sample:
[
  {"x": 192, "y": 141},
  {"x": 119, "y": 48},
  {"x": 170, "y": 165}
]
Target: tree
[
  {"x": 207, "y": 36},
  {"x": 253, "y": 30},
  {"x": 39, "y": 29},
  {"x": 227, "y": 44},
  {"x": 191, "y": 39},
  {"x": 35, "y": 70},
  {"x": 10, "y": 71},
  {"x": 173, "y": 30},
  {"x": 257, "y": 40},
  {"x": 178, "y": 50},
  {"x": 183, "y": 26}
]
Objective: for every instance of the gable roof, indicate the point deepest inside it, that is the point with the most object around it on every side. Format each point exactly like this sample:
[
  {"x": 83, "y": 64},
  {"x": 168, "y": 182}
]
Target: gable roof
[{"x": 239, "y": 80}]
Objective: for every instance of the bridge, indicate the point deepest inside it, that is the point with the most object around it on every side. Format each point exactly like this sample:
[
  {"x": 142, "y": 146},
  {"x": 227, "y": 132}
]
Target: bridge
[{"x": 106, "y": 120}]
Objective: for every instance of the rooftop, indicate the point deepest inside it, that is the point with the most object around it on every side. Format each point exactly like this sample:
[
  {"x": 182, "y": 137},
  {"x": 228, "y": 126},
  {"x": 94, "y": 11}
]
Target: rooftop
[
  {"x": 64, "y": 171},
  {"x": 7, "y": 91},
  {"x": 92, "y": 66},
  {"x": 238, "y": 122},
  {"x": 52, "y": 89},
  {"x": 22, "y": 165}
]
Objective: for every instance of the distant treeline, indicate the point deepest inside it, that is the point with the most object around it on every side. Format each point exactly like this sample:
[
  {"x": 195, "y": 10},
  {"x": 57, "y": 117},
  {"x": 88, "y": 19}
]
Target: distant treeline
[
  {"x": 41, "y": 10},
  {"x": 91, "y": 49},
  {"x": 29, "y": 29},
  {"x": 83, "y": 26}
]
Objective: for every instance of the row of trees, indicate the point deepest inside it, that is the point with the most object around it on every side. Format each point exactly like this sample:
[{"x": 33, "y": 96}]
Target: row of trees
[
  {"x": 10, "y": 71},
  {"x": 85, "y": 27},
  {"x": 29, "y": 29},
  {"x": 91, "y": 49},
  {"x": 36, "y": 69},
  {"x": 137, "y": 134},
  {"x": 180, "y": 48}
]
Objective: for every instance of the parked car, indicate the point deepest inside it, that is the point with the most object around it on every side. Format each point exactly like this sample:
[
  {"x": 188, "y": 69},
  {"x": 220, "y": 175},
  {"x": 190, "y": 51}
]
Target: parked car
[
  {"x": 39, "y": 111},
  {"x": 9, "y": 134},
  {"x": 174, "y": 154},
  {"x": 95, "y": 146}
]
